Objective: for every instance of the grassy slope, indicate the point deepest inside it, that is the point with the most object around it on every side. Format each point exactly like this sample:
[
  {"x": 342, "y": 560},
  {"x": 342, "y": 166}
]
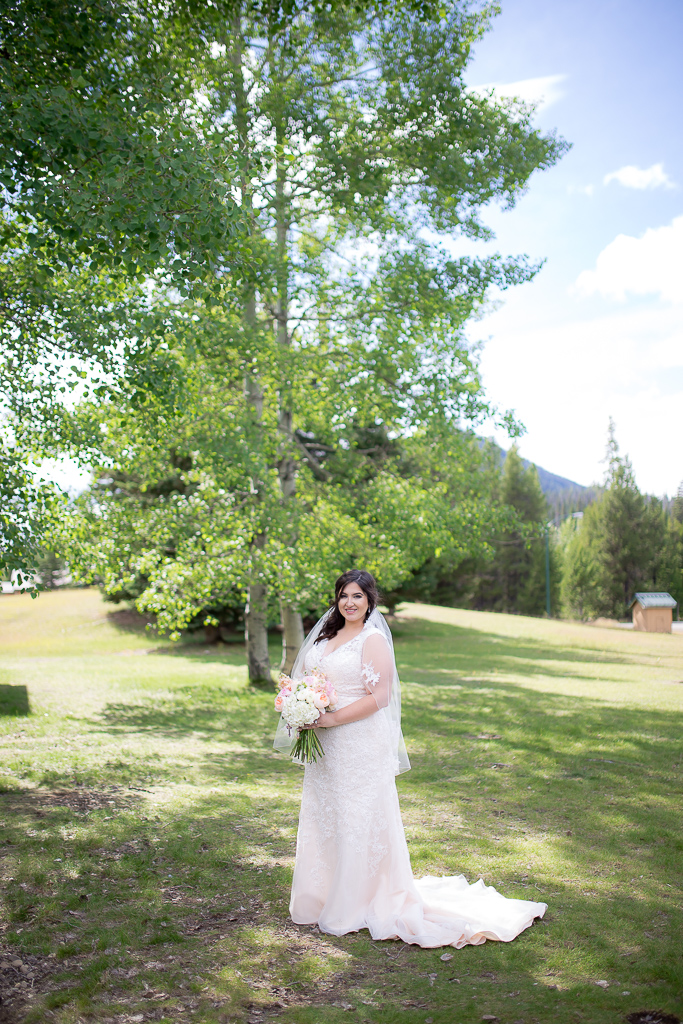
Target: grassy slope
[{"x": 148, "y": 830}]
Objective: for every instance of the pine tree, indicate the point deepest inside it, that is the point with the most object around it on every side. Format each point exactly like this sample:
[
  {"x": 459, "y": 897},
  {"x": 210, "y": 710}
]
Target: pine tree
[
  {"x": 678, "y": 504},
  {"x": 667, "y": 570},
  {"x": 615, "y": 551},
  {"x": 578, "y": 569},
  {"x": 514, "y": 581}
]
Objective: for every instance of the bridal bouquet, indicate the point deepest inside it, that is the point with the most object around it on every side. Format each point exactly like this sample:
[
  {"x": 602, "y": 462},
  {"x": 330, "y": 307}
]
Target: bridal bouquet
[{"x": 300, "y": 703}]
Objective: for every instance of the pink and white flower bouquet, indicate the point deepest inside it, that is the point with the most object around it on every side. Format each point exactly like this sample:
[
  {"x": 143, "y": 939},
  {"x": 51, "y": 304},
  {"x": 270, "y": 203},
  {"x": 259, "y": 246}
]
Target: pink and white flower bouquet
[{"x": 301, "y": 702}]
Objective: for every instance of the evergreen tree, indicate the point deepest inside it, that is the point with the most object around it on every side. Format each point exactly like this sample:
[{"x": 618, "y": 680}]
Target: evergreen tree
[
  {"x": 513, "y": 579},
  {"x": 578, "y": 569},
  {"x": 678, "y": 504},
  {"x": 667, "y": 569},
  {"x": 615, "y": 552}
]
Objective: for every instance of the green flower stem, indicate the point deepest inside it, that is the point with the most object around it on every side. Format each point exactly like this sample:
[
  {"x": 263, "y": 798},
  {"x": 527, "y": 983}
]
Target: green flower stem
[{"x": 307, "y": 746}]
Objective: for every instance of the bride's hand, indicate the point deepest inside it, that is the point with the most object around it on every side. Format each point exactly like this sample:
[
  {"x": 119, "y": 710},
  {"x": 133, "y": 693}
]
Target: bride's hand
[{"x": 324, "y": 721}]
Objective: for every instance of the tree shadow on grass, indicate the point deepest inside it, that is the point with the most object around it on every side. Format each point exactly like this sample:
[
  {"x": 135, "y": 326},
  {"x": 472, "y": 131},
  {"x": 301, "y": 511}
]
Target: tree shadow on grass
[
  {"x": 56, "y": 806},
  {"x": 193, "y": 644},
  {"x": 205, "y": 888},
  {"x": 129, "y": 620},
  {"x": 601, "y": 796},
  {"x": 581, "y": 747},
  {"x": 14, "y": 700},
  {"x": 230, "y": 655},
  {"x": 212, "y": 881},
  {"x": 209, "y": 887}
]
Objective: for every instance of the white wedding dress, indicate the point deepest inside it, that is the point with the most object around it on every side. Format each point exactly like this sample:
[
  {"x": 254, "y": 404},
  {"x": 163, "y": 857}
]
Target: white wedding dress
[{"x": 352, "y": 866}]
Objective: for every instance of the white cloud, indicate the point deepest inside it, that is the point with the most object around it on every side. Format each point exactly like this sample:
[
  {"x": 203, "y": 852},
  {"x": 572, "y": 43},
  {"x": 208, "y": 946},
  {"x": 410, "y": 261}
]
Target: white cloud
[
  {"x": 640, "y": 177},
  {"x": 649, "y": 265},
  {"x": 565, "y": 377},
  {"x": 542, "y": 92}
]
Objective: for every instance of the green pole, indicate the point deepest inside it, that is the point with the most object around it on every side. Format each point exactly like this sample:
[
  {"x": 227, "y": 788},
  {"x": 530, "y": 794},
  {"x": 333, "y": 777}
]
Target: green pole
[{"x": 547, "y": 569}]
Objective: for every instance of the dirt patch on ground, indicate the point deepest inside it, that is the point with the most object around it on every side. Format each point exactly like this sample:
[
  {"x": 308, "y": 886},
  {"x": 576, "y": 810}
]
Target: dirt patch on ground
[
  {"x": 80, "y": 800},
  {"x": 22, "y": 977},
  {"x": 652, "y": 1017},
  {"x": 128, "y": 993}
]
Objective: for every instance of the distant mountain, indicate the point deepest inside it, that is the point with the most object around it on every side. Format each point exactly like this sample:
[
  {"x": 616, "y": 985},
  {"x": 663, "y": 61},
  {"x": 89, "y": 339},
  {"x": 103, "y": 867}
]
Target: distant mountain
[
  {"x": 564, "y": 496},
  {"x": 552, "y": 484}
]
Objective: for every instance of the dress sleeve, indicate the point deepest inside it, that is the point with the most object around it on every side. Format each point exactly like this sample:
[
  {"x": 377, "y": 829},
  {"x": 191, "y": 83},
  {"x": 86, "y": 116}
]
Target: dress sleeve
[{"x": 377, "y": 669}]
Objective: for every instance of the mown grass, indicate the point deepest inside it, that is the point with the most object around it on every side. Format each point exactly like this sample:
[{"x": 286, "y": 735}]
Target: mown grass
[{"x": 148, "y": 829}]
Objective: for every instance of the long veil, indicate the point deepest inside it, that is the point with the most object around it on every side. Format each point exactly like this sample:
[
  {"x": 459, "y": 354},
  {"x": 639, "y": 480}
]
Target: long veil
[{"x": 376, "y": 622}]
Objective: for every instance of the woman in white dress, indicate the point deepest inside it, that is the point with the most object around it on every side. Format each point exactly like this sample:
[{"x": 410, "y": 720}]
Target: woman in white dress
[{"x": 352, "y": 865}]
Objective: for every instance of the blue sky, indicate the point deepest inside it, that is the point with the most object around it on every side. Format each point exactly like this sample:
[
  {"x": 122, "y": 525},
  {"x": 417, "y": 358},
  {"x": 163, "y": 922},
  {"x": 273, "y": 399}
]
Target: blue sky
[{"x": 599, "y": 332}]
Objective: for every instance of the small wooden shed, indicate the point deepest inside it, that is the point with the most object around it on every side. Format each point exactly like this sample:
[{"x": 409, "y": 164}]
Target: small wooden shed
[{"x": 653, "y": 612}]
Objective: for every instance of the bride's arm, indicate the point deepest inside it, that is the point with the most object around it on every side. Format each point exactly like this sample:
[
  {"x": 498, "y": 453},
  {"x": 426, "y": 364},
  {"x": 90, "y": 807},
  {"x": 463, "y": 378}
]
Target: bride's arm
[
  {"x": 378, "y": 673},
  {"x": 362, "y": 708}
]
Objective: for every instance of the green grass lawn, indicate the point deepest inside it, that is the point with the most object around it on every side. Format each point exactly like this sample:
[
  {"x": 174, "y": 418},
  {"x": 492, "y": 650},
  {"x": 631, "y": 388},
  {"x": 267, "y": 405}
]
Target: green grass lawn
[{"x": 148, "y": 829}]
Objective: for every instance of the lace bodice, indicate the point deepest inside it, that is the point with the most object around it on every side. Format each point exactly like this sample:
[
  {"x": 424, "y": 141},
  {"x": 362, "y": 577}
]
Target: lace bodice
[{"x": 361, "y": 666}]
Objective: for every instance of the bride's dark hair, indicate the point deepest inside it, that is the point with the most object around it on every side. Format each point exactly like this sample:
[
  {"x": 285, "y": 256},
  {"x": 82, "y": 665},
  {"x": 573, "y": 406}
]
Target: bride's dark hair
[{"x": 335, "y": 620}]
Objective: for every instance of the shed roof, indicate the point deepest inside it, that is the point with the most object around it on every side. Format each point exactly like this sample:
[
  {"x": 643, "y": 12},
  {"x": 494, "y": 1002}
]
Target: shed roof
[{"x": 659, "y": 600}]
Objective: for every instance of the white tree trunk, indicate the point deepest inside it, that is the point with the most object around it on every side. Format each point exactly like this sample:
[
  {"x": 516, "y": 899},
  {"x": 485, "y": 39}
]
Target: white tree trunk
[{"x": 292, "y": 637}]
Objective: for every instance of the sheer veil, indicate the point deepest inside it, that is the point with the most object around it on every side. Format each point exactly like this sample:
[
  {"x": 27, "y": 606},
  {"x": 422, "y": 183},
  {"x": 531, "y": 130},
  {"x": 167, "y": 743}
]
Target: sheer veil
[{"x": 376, "y": 624}]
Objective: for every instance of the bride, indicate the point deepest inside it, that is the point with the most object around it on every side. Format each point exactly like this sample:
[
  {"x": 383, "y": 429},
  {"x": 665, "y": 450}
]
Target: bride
[{"x": 352, "y": 865}]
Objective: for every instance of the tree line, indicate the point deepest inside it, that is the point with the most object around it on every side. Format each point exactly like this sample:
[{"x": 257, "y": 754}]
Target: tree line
[
  {"x": 137, "y": 538},
  {"x": 588, "y": 565},
  {"x": 626, "y": 542}
]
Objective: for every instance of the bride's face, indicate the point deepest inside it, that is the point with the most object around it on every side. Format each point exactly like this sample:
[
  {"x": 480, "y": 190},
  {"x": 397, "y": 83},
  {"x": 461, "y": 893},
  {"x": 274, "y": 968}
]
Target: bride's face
[{"x": 353, "y": 604}]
